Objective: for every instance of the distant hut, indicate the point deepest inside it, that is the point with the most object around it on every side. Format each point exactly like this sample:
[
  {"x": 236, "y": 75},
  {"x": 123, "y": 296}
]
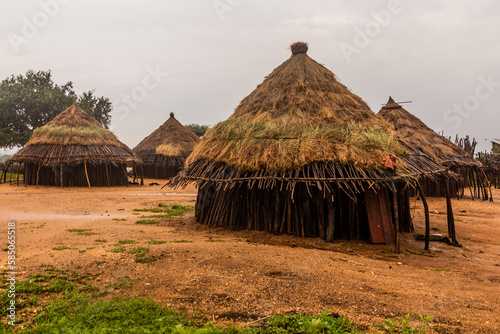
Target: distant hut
[
  {"x": 495, "y": 148},
  {"x": 301, "y": 155},
  {"x": 165, "y": 150},
  {"x": 420, "y": 136},
  {"x": 74, "y": 150}
]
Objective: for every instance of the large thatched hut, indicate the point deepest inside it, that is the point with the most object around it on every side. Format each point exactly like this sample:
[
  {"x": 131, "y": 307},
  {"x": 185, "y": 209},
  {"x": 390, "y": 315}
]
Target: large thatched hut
[
  {"x": 164, "y": 151},
  {"x": 74, "y": 150},
  {"x": 440, "y": 149},
  {"x": 302, "y": 155}
]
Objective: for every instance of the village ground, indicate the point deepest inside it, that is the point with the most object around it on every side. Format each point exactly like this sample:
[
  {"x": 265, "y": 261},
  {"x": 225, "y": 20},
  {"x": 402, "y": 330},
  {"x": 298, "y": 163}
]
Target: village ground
[{"x": 245, "y": 276}]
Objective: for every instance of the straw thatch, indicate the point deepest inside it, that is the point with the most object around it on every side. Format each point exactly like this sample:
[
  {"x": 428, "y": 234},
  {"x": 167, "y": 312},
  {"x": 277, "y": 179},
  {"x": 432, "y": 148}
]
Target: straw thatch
[
  {"x": 424, "y": 138},
  {"x": 297, "y": 156},
  {"x": 74, "y": 150},
  {"x": 417, "y": 134},
  {"x": 165, "y": 150}
]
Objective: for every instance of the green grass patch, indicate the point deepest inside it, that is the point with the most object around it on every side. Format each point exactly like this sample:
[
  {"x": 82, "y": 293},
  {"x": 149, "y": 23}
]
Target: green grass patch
[
  {"x": 141, "y": 255},
  {"x": 121, "y": 283},
  {"x": 78, "y": 313},
  {"x": 118, "y": 250},
  {"x": 167, "y": 210},
  {"x": 146, "y": 222},
  {"x": 156, "y": 242},
  {"x": 79, "y": 230},
  {"x": 60, "y": 248},
  {"x": 136, "y": 250},
  {"x": 13, "y": 175},
  {"x": 127, "y": 242},
  {"x": 120, "y": 219},
  {"x": 182, "y": 241},
  {"x": 40, "y": 226},
  {"x": 215, "y": 240},
  {"x": 100, "y": 240},
  {"x": 156, "y": 216}
]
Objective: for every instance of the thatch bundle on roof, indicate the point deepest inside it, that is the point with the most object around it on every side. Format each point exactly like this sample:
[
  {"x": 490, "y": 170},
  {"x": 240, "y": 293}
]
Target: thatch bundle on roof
[
  {"x": 298, "y": 156},
  {"x": 74, "y": 150},
  {"x": 437, "y": 147},
  {"x": 165, "y": 150}
]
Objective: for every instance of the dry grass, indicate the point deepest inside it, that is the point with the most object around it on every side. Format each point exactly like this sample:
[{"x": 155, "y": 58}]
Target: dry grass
[
  {"x": 280, "y": 146},
  {"x": 65, "y": 135}
]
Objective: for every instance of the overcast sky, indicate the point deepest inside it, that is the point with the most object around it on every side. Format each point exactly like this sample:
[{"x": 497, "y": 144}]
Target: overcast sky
[{"x": 200, "y": 58}]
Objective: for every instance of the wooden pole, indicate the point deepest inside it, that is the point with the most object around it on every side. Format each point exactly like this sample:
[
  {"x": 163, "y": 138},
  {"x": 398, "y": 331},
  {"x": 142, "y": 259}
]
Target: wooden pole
[
  {"x": 107, "y": 174},
  {"x": 61, "y": 172},
  {"x": 5, "y": 173},
  {"x": 330, "y": 227},
  {"x": 449, "y": 213},
  {"x": 86, "y": 174},
  {"x": 37, "y": 174},
  {"x": 427, "y": 220},
  {"x": 17, "y": 177},
  {"x": 142, "y": 176}
]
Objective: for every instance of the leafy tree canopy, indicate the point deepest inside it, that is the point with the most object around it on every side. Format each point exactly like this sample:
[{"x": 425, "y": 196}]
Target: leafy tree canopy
[
  {"x": 198, "y": 129},
  {"x": 31, "y": 100}
]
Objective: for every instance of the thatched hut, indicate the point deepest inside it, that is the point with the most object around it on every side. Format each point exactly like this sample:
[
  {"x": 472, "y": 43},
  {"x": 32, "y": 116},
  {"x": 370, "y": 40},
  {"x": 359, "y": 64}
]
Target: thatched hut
[
  {"x": 440, "y": 149},
  {"x": 164, "y": 151},
  {"x": 301, "y": 155},
  {"x": 74, "y": 150}
]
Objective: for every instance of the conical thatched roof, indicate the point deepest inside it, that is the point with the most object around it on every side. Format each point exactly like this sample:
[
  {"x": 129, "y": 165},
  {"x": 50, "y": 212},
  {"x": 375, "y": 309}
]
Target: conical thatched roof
[
  {"x": 73, "y": 136},
  {"x": 172, "y": 139},
  {"x": 420, "y": 136},
  {"x": 301, "y": 123},
  {"x": 301, "y": 113}
]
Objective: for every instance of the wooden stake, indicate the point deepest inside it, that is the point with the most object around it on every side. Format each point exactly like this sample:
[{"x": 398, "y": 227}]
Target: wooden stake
[
  {"x": 86, "y": 174},
  {"x": 449, "y": 213},
  {"x": 37, "y": 174},
  {"x": 427, "y": 220},
  {"x": 17, "y": 177},
  {"x": 142, "y": 177},
  {"x": 330, "y": 227},
  {"x": 107, "y": 175},
  {"x": 62, "y": 176},
  {"x": 5, "y": 173}
]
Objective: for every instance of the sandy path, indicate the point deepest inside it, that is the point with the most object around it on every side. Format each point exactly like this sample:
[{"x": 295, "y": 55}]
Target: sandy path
[{"x": 245, "y": 275}]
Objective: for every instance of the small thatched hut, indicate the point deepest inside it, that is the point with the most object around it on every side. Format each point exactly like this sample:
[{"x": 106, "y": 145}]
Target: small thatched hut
[
  {"x": 420, "y": 136},
  {"x": 74, "y": 150},
  {"x": 164, "y": 151},
  {"x": 302, "y": 155}
]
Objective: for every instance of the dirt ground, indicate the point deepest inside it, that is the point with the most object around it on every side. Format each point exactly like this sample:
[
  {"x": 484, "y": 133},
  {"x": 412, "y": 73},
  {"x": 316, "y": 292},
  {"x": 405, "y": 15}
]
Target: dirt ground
[{"x": 245, "y": 276}]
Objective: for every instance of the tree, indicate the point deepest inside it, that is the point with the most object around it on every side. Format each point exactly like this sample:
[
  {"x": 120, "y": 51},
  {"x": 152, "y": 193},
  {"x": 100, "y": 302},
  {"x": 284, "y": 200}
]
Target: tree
[
  {"x": 97, "y": 107},
  {"x": 31, "y": 100},
  {"x": 198, "y": 129}
]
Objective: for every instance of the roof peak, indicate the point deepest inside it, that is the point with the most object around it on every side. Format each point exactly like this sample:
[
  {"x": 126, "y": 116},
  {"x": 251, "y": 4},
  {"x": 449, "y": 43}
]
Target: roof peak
[
  {"x": 391, "y": 104},
  {"x": 299, "y": 47}
]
